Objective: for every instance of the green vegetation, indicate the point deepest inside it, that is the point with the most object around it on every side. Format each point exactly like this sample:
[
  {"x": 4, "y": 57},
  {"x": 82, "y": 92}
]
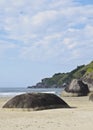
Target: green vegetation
[{"x": 59, "y": 79}]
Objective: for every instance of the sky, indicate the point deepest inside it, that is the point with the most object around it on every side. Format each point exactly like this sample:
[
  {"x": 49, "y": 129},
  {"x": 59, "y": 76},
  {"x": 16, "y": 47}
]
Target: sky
[{"x": 39, "y": 38}]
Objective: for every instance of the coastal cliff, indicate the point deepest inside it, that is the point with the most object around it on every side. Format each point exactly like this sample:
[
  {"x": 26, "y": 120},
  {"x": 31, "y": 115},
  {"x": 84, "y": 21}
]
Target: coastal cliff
[{"x": 58, "y": 80}]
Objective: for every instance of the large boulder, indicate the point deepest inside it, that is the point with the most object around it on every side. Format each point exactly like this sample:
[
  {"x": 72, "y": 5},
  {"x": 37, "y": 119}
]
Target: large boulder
[
  {"x": 77, "y": 88},
  {"x": 36, "y": 101}
]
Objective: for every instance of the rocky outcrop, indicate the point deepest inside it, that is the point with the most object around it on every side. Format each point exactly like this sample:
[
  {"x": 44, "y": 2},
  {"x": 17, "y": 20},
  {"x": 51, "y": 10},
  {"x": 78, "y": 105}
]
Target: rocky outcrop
[
  {"x": 84, "y": 72},
  {"x": 88, "y": 79},
  {"x": 43, "y": 85},
  {"x": 91, "y": 97},
  {"x": 36, "y": 101},
  {"x": 76, "y": 88}
]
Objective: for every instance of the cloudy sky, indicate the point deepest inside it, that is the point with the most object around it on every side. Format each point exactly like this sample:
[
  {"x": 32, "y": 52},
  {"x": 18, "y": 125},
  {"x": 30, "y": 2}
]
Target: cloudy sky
[{"x": 41, "y": 37}]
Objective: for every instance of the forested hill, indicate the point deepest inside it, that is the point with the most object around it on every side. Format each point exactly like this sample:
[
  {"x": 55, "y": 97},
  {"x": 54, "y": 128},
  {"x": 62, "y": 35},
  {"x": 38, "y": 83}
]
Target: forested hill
[{"x": 84, "y": 72}]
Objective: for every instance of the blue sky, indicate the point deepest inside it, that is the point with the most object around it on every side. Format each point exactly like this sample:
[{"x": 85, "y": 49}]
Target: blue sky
[{"x": 42, "y": 37}]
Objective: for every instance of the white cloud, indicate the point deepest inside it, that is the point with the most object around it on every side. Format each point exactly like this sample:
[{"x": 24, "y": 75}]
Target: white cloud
[
  {"x": 70, "y": 43},
  {"x": 6, "y": 45},
  {"x": 60, "y": 3},
  {"x": 46, "y": 48},
  {"x": 43, "y": 17},
  {"x": 46, "y": 29},
  {"x": 88, "y": 31}
]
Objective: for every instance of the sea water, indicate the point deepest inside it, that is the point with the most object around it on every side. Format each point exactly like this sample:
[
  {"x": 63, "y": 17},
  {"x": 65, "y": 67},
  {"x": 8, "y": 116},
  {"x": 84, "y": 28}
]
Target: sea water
[{"x": 10, "y": 92}]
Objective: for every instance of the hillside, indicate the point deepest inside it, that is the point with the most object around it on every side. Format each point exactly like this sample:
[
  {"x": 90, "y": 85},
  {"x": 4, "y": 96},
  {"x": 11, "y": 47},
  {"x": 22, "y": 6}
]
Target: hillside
[{"x": 84, "y": 72}]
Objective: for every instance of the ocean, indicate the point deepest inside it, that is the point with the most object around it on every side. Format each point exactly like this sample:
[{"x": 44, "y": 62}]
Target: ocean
[{"x": 10, "y": 92}]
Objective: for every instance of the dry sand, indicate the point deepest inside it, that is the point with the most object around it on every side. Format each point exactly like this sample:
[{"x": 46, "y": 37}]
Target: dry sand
[{"x": 80, "y": 117}]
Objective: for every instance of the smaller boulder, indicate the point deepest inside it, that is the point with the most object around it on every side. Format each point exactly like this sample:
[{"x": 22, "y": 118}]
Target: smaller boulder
[
  {"x": 91, "y": 96},
  {"x": 77, "y": 88}
]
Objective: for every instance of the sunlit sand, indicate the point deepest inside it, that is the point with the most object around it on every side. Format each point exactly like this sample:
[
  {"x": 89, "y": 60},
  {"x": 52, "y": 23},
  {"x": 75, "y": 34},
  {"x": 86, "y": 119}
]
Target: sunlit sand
[{"x": 79, "y": 117}]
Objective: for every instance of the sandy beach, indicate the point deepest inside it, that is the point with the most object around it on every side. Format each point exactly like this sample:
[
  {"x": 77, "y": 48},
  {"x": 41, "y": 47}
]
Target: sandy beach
[{"x": 79, "y": 117}]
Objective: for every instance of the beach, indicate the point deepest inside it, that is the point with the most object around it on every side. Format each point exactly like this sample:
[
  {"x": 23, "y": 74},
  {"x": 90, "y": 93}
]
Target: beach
[{"x": 79, "y": 117}]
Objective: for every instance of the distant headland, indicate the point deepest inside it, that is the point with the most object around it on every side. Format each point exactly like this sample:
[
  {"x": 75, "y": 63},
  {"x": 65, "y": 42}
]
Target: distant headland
[{"x": 60, "y": 80}]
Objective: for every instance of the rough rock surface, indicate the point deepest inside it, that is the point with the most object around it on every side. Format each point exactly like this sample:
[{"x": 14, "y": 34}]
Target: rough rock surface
[
  {"x": 36, "y": 101},
  {"x": 77, "y": 87},
  {"x": 91, "y": 96},
  {"x": 88, "y": 79}
]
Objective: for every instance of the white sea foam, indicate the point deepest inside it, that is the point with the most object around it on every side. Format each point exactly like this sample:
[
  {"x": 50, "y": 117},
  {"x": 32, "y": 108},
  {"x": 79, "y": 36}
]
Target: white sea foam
[
  {"x": 53, "y": 92},
  {"x": 10, "y": 94}
]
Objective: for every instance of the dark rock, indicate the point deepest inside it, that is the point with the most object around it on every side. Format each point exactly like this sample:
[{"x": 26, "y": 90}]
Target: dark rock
[
  {"x": 36, "y": 101},
  {"x": 91, "y": 96},
  {"x": 77, "y": 87}
]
